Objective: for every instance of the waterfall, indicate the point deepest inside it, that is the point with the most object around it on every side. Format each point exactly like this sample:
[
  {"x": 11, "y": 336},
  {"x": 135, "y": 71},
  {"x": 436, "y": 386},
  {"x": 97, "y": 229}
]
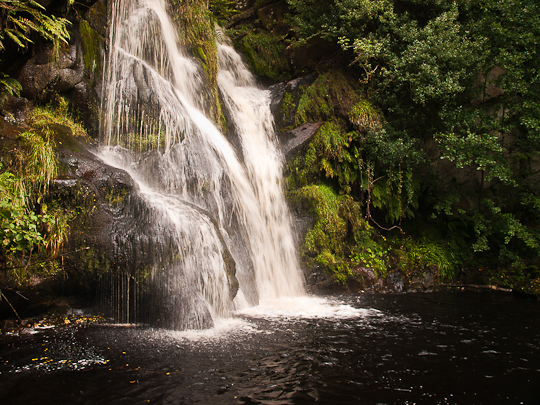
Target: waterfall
[{"x": 214, "y": 213}]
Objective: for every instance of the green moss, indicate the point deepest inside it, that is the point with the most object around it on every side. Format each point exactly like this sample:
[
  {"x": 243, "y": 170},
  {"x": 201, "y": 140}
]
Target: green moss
[
  {"x": 338, "y": 230},
  {"x": 198, "y": 32},
  {"x": 265, "y": 54},
  {"x": 223, "y": 9},
  {"x": 92, "y": 44},
  {"x": 365, "y": 117},
  {"x": 116, "y": 195},
  {"x": 288, "y": 107},
  {"x": 331, "y": 96},
  {"x": 413, "y": 256},
  {"x": 144, "y": 142},
  {"x": 326, "y": 157},
  {"x": 55, "y": 119}
]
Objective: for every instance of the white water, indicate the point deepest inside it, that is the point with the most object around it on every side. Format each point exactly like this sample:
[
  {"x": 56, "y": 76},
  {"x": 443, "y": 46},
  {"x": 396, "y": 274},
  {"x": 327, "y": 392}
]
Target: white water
[{"x": 153, "y": 99}]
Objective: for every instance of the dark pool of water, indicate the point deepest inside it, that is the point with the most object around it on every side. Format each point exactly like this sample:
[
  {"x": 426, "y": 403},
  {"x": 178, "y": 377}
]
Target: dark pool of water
[{"x": 437, "y": 348}]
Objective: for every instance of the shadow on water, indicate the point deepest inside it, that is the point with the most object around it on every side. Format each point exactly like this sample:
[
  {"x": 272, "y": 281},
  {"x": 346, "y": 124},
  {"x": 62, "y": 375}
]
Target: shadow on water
[{"x": 439, "y": 348}]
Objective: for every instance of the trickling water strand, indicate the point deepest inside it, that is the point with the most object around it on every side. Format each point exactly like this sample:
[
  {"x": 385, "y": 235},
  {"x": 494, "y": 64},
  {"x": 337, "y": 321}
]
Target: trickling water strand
[{"x": 152, "y": 88}]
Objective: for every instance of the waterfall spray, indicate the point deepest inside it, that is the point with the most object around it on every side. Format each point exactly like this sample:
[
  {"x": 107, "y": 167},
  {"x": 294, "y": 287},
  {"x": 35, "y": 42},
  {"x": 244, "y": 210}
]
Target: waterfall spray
[{"x": 213, "y": 204}]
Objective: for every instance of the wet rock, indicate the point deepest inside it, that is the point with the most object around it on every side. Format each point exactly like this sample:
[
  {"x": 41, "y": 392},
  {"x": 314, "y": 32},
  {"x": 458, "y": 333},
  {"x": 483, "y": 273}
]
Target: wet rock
[
  {"x": 284, "y": 98},
  {"x": 395, "y": 281},
  {"x": 8, "y": 325},
  {"x": 295, "y": 139},
  {"x": 249, "y": 400},
  {"x": 67, "y": 59},
  {"x": 379, "y": 286},
  {"x": 35, "y": 77},
  {"x": 272, "y": 17},
  {"x": 366, "y": 273},
  {"x": 429, "y": 281},
  {"x": 16, "y": 108},
  {"x": 421, "y": 281},
  {"x": 97, "y": 17},
  {"x": 68, "y": 79},
  {"x": 415, "y": 285},
  {"x": 284, "y": 103},
  {"x": 118, "y": 241},
  {"x": 302, "y": 224}
]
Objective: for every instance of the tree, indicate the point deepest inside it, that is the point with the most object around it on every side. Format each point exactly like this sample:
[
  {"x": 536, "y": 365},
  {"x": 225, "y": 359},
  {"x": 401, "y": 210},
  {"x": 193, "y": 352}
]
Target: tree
[{"x": 465, "y": 74}]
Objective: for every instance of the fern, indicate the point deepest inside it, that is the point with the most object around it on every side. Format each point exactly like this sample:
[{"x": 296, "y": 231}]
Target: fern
[{"x": 16, "y": 25}]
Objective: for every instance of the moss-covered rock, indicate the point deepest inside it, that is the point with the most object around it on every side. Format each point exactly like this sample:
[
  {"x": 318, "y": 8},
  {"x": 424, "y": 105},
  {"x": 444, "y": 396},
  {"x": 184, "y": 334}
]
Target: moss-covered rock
[
  {"x": 329, "y": 97},
  {"x": 265, "y": 55},
  {"x": 92, "y": 44},
  {"x": 96, "y": 16}
]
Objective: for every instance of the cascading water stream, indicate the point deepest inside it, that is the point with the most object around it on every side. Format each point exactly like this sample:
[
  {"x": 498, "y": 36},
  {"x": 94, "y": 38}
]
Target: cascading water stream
[{"x": 211, "y": 204}]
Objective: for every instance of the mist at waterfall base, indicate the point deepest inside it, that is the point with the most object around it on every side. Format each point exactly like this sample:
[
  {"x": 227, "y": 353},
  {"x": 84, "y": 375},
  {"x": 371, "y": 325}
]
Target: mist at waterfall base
[{"x": 434, "y": 348}]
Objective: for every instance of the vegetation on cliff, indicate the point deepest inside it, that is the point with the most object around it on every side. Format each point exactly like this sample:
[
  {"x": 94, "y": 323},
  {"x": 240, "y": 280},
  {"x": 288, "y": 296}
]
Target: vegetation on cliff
[
  {"x": 33, "y": 225},
  {"x": 428, "y": 158},
  {"x": 453, "y": 155}
]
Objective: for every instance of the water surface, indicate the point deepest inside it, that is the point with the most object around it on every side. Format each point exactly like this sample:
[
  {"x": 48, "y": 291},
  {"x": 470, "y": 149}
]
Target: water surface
[{"x": 438, "y": 348}]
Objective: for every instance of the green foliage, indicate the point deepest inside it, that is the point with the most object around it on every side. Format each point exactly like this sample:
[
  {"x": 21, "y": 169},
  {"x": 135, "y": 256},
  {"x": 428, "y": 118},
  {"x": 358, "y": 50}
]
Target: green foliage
[
  {"x": 199, "y": 33},
  {"x": 326, "y": 156},
  {"x": 21, "y": 18},
  {"x": 347, "y": 158},
  {"x": 331, "y": 95},
  {"x": 365, "y": 117},
  {"x": 265, "y": 54},
  {"x": 372, "y": 255},
  {"x": 288, "y": 107},
  {"x": 465, "y": 74},
  {"x": 19, "y": 228},
  {"x": 484, "y": 152},
  {"x": 9, "y": 85},
  {"x": 37, "y": 164},
  {"x": 512, "y": 33},
  {"x": 31, "y": 227},
  {"x": 223, "y": 10},
  {"x": 339, "y": 231},
  {"x": 18, "y": 21},
  {"x": 47, "y": 118},
  {"x": 418, "y": 256},
  {"x": 502, "y": 228}
]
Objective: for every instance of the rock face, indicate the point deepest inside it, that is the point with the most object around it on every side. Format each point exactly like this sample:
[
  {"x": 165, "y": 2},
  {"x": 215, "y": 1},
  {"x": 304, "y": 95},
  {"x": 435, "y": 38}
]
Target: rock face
[
  {"x": 121, "y": 250},
  {"x": 285, "y": 98},
  {"x": 75, "y": 73},
  {"x": 284, "y": 102},
  {"x": 272, "y": 17},
  {"x": 295, "y": 139}
]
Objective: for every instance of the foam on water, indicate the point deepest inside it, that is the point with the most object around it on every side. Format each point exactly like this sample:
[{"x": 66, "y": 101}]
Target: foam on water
[
  {"x": 224, "y": 328},
  {"x": 305, "y": 307},
  {"x": 287, "y": 309}
]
